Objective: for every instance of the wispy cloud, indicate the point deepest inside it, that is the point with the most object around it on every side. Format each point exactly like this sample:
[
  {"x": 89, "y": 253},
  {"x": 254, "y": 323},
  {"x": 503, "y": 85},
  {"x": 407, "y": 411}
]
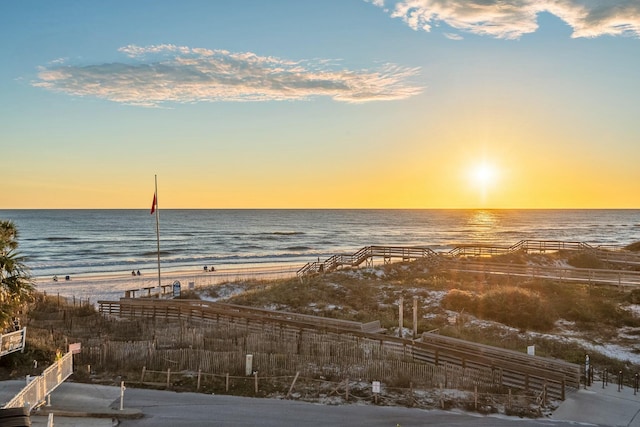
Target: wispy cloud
[
  {"x": 155, "y": 75},
  {"x": 452, "y": 36},
  {"x": 510, "y": 19}
]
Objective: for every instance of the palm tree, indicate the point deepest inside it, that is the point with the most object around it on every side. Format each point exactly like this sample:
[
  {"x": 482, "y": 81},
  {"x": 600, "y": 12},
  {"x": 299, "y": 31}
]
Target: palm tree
[{"x": 16, "y": 284}]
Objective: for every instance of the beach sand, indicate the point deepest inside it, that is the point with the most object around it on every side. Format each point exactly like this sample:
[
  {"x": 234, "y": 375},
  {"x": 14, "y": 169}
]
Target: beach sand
[{"x": 113, "y": 286}]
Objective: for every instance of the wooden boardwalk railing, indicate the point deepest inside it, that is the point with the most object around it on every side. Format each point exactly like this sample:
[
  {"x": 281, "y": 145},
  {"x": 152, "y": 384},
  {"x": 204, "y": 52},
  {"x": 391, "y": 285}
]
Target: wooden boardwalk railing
[
  {"x": 366, "y": 254},
  {"x": 622, "y": 278},
  {"x": 517, "y": 370},
  {"x": 451, "y": 260},
  {"x": 206, "y": 310},
  {"x": 522, "y": 245}
]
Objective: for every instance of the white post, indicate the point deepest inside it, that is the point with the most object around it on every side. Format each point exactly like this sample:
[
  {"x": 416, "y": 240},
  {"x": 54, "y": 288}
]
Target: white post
[
  {"x": 50, "y": 420},
  {"x": 122, "y": 389},
  {"x": 248, "y": 368}
]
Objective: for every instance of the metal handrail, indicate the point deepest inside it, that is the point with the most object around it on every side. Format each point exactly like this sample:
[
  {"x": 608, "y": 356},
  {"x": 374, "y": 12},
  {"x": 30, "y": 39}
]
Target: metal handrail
[{"x": 37, "y": 390}]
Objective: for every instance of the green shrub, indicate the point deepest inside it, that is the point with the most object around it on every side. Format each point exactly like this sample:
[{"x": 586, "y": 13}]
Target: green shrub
[
  {"x": 459, "y": 300},
  {"x": 634, "y": 296},
  {"x": 585, "y": 260},
  {"x": 516, "y": 307},
  {"x": 633, "y": 247}
]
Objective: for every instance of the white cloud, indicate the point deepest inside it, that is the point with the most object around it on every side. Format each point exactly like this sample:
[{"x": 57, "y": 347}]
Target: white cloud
[
  {"x": 178, "y": 74},
  {"x": 379, "y": 3},
  {"x": 510, "y": 19},
  {"x": 452, "y": 36}
]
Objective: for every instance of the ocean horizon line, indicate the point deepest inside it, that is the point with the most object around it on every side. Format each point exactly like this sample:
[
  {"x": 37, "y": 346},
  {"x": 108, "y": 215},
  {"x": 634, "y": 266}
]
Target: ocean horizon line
[{"x": 323, "y": 209}]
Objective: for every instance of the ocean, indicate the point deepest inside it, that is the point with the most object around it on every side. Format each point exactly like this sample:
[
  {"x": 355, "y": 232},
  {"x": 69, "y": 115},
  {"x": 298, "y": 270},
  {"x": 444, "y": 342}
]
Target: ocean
[{"x": 81, "y": 242}]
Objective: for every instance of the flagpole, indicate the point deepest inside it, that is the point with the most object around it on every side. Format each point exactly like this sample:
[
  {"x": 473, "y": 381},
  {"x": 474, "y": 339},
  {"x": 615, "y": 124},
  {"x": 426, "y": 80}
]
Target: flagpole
[{"x": 157, "y": 230}]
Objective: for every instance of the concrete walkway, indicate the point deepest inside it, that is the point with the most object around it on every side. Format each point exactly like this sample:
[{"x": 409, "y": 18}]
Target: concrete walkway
[
  {"x": 601, "y": 406},
  {"x": 76, "y": 405}
]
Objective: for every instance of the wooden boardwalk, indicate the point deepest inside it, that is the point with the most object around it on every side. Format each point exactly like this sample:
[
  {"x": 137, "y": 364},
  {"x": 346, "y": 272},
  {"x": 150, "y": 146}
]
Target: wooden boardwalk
[
  {"x": 621, "y": 278},
  {"x": 469, "y": 258},
  {"x": 509, "y": 368},
  {"x": 366, "y": 255}
]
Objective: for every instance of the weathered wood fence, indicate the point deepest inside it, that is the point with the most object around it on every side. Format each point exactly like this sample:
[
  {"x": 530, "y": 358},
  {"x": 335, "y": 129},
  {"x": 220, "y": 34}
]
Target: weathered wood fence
[{"x": 321, "y": 346}]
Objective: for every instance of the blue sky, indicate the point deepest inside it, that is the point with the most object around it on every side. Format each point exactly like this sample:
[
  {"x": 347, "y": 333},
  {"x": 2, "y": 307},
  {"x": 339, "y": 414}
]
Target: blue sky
[{"x": 326, "y": 104}]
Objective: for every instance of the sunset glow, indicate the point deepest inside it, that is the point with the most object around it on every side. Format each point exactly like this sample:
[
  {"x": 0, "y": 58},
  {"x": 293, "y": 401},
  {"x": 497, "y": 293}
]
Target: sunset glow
[{"x": 363, "y": 104}]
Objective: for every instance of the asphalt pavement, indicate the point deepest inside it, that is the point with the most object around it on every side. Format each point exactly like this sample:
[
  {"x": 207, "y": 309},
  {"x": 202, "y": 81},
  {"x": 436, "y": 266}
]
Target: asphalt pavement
[{"x": 90, "y": 405}]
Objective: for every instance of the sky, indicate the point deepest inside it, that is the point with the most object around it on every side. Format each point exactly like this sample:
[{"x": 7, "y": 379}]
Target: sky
[{"x": 320, "y": 104}]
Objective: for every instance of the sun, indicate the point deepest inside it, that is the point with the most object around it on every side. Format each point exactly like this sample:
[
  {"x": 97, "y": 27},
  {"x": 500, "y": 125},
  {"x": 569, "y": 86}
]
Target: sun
[{"x": 483, "y": 177}]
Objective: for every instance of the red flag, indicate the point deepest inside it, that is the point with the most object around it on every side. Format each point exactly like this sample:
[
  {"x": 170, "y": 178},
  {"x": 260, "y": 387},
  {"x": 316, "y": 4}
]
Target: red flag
[{"x": 153, "y": 206}]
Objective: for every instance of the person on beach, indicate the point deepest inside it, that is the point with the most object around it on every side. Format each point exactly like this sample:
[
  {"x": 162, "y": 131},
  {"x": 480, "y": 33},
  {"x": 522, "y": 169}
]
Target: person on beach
[
  {"x": 138, "y": 272},
  {"x": 205, "y": 268},
  {"x": 55, "y": 278},
  {"x": 133, "y": 273}
]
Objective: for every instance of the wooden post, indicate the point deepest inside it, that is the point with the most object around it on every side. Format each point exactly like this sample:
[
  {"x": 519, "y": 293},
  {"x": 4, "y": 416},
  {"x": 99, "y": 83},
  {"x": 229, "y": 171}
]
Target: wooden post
[
  {"x": 475, "y": 397},
  {"x": 411, "y": 399},
  {"x": 415, "y": 316},
  {"x": 347, "y": 390},
  {"x": 144, "y": 368},
  {"x": 199, "y": 375},
  {"x": 255, "y": 376},
  {"x": 226, "y": 387},
  {"x": 168, "y": 377},
  {"x": 445, "y": 376},
  {"x": 401, "y": 315},
  {"x": 509, "y": 400},
  {"x": 292, "y": 384}
]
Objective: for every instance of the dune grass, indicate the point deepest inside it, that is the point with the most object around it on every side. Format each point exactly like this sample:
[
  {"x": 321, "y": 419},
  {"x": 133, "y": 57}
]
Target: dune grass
[{"x": 524, "y": 305}]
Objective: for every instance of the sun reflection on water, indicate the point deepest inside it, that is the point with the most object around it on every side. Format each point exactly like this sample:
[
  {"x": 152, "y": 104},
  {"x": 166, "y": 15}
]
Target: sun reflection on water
[{"x": 482, "y": 226}]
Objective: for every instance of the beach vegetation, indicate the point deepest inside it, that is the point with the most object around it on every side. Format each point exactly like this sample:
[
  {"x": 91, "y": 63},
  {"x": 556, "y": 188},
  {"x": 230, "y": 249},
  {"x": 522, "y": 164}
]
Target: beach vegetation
[
  {"x": 517, "y": 257},
  {"x": 635, "y": 247},
  {"x": 495, "y": 310},
  {"x": 514, "y": 306},
  {"x": 563, "y": 319},
  {"x": 634, "y": 296},
  {"x": 16, "y": 284},
  {"x": 585, "y": 260}
]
